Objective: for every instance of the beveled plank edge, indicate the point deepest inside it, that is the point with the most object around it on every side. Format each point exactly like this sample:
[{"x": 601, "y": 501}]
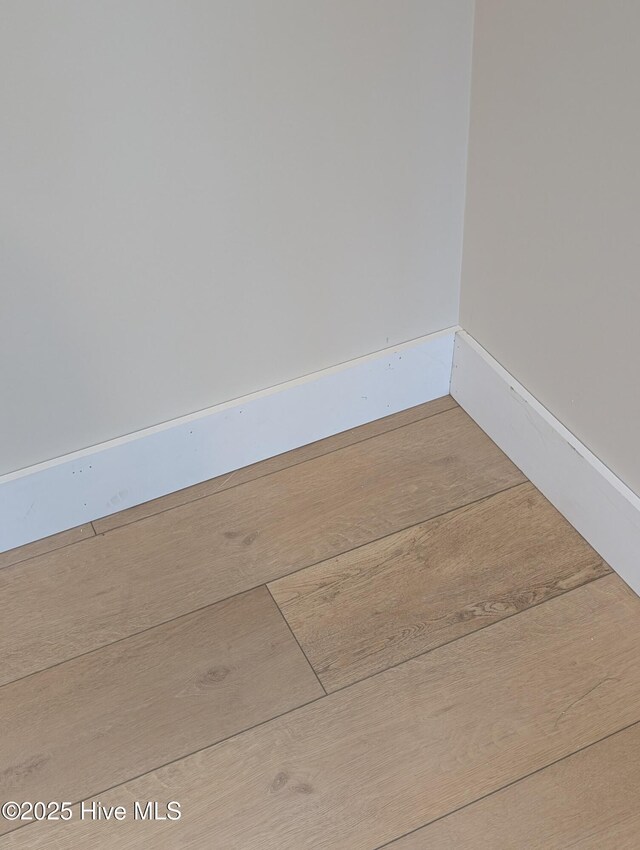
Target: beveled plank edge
[
  {"x": 286, "y": 460},
  {"x": 46, "y": 544},
  {"x": 351, "y": 685},
  {"x": 394, "y": 841},
  {"x": 266, "y": 585}
]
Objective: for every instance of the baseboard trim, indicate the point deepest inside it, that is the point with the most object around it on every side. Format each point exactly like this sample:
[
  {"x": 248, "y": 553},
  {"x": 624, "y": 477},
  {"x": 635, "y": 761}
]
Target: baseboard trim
[
  {"x": 594, "y": 500},
  {"x": 95, "y": 482}
]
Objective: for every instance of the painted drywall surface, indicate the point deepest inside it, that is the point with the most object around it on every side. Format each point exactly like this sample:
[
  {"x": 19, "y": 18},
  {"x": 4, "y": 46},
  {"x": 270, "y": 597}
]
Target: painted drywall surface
[
  {"x": 200, "y": 199},
  {"x": 551, "y": 249}
]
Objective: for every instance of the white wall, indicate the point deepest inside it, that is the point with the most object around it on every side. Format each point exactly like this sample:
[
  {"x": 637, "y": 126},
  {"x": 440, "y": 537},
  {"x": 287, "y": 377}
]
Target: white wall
[
  {"x": 551, "y": 247},
  {"x": 199, "y": 199}
]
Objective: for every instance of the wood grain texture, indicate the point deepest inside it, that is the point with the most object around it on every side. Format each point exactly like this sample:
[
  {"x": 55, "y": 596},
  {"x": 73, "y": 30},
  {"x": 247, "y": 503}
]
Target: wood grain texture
[
  {"x": 273, "y": 464},
  {"x": 589, "y": 800},
  {"x": 370, "y": 763},
  {"x": 118, "y": 712},
  {"x": 412, "y": 591},
  {"x": 46, "y": 544},
  {"x": 97, "y": 591}
]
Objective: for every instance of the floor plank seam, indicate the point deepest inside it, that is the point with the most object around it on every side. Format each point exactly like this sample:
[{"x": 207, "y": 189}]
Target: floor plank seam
[
  {"x": 295, "y": 637},
  {"x": 325, "y": 695},
  {"x": 92, "y": 794},
  {"x": 275, "y": 471},
  {"x": 49, "y": 551},
  {"x": 253, "y": 587},
  {"x": 522, "y": 778}
]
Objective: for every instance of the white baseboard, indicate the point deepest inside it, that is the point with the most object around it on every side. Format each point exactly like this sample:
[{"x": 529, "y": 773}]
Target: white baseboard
[
  {"x": 95, "y": 482},
  {"x": 594, "y": 500}
]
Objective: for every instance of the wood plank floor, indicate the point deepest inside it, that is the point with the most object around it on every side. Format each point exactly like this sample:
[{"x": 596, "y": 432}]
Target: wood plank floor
[
  {"x": 47, "y": 544},
  {"x": 479, "y": 660},
  {"x": 96, "y": 591},
  {"x": 179, "y": 686},
  {"x": 587, "y": 800},
  {"x": 412, "y": 591}
]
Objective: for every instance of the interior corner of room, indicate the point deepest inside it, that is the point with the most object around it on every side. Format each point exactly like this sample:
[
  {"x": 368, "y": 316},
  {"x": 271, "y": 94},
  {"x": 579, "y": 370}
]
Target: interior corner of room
[
  {"x": 221, "y": 260},
  {"x": 319, "y": 474}
]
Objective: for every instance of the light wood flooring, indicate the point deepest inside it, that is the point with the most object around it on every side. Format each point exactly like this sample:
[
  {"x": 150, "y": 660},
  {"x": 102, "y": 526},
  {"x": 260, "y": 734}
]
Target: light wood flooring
[{"x": 388, "y": 638}]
